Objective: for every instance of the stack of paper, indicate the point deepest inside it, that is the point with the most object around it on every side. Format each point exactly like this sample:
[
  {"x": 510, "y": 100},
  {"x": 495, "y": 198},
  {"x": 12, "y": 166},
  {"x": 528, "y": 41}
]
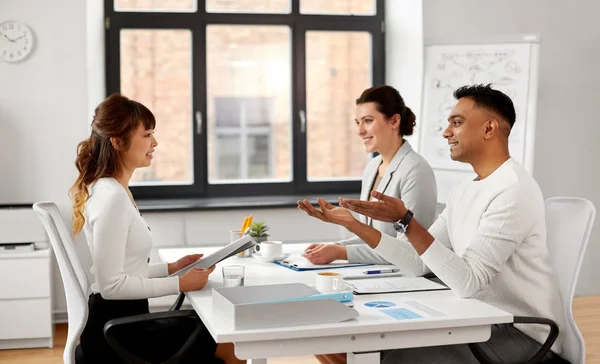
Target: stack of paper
[{"x": 278, "y": 305}]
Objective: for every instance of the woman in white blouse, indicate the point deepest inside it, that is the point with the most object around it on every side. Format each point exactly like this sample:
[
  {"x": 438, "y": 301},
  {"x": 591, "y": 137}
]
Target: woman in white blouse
[
  {"x": 382, "y": 122},
  {"x": 122, "y": 140}
]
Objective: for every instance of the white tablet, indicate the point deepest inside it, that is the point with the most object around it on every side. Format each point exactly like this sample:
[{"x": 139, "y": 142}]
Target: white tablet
[{"x": 243, "y": 243}]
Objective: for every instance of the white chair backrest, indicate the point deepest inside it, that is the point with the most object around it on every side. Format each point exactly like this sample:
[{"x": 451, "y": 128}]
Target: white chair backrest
[
  {"x": 71, "y": 271},
  {"x": 569, "y": 223}
]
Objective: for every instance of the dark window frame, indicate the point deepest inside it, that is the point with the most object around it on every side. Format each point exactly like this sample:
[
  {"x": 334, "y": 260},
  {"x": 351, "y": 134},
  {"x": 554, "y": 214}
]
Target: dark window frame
[{"x": 196, "y": 22}]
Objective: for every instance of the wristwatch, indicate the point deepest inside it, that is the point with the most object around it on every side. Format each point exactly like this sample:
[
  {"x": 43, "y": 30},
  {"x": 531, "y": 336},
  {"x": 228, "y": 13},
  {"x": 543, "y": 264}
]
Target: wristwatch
[{"x": 402, "y": 225}]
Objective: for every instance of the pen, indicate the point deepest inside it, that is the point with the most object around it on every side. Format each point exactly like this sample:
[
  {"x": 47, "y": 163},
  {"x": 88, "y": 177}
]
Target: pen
[{"x": 380, "y": 271}]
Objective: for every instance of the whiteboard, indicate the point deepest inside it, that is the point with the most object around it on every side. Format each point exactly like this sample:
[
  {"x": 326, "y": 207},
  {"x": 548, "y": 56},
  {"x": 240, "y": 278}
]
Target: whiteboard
[{"x": 511, "y": 66}]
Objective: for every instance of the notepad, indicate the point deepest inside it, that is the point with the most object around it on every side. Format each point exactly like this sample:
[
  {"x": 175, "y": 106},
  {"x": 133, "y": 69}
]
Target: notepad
[{"x": 393, "y": 285}]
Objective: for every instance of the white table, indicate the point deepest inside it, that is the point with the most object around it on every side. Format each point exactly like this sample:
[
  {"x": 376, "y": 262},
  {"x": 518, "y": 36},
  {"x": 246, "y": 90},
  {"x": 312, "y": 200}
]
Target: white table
[{"x": 466, "y": 320}]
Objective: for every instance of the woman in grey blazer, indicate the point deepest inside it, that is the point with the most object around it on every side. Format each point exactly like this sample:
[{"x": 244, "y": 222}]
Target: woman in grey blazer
[{"x": 382, "y": 121}]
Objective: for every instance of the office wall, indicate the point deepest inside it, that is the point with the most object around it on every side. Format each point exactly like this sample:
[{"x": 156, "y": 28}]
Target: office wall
[
  {"x": 567, "y": 130},
  {"x": 43, "y": 108},
  {"x": 46, "y": 105},
  {"x": 43, "y": 102},
  {"x": 404, "y": 54},
  {"x": 46, "y": 102}
]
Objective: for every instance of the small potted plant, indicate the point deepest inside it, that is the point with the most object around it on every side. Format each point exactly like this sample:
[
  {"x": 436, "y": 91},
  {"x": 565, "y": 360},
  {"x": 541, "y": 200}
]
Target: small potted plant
[{"x": 258, "y": 230}]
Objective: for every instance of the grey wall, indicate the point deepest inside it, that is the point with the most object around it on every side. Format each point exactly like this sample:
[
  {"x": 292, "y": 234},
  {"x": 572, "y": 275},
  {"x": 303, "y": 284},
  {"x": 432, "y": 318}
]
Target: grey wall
[{"x": 567, "y": 147}]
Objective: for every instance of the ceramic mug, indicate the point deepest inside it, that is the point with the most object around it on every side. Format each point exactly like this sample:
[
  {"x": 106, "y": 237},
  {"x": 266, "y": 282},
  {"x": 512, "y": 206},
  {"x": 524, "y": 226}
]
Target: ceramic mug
[
  {"x": 272, "y": 249},
  {"x": 330, "y": 282}
]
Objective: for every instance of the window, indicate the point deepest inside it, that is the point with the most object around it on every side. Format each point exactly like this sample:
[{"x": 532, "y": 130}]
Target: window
[
  {"x": 252, "y": 97},
  {"x": 242, "y": 140}
]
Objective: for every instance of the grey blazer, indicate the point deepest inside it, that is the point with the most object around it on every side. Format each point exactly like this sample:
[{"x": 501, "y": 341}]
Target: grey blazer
[{"x": 408, "y": 177}]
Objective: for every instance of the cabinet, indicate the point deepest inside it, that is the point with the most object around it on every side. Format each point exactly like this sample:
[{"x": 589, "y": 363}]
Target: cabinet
[
  {"x": 25, "y": 300},
  {"x": 25, "y": 283}
]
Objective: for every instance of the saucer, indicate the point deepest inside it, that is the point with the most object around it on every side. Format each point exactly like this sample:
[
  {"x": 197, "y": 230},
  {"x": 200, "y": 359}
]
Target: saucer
[
  {"x": 348, "y": 288},
  {"x": 259, "y": 257}
]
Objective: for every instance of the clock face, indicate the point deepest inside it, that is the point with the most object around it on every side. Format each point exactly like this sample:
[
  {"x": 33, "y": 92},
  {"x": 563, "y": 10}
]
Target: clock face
[{"x": 16, "y": 41}]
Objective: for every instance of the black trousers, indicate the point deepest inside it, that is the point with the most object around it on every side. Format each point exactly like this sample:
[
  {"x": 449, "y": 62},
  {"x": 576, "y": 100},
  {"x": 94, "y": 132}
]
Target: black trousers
[{"x": 151, "y": 341}]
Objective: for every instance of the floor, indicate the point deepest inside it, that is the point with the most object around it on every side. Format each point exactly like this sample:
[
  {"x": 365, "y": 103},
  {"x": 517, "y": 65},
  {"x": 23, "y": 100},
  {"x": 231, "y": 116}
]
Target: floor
[{"x": 586, "y": 311}]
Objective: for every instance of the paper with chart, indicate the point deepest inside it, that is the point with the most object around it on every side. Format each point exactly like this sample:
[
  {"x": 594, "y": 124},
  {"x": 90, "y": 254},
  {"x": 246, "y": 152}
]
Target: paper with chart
[
  {"x": 407, "y": 310},
  {"x": 393, "y": 284},
  {"x": 509, "y": 67}
]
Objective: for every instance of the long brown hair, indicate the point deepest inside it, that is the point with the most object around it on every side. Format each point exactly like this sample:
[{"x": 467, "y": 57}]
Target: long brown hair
[{"x": 117, "y": 117}]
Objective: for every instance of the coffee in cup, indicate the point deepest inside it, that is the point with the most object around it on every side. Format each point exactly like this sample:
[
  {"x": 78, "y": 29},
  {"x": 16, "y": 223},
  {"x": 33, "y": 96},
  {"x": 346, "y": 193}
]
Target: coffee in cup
[{"x": 330, "y": 282}]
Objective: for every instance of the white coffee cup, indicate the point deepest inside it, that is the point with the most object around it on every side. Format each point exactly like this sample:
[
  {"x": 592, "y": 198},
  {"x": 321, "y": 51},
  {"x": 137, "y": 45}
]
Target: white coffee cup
[
  {"x": 330, "y": 282},
  {"x": 273, "y": 249}
]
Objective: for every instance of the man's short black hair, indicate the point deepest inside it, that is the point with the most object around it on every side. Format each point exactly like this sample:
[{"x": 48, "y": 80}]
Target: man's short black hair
[{"x": 485, "y": 96}]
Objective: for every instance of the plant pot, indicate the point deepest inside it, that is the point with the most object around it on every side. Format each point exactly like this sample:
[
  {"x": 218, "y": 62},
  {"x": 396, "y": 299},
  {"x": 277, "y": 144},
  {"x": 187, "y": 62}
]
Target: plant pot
[{"x": 260, "y": 239}]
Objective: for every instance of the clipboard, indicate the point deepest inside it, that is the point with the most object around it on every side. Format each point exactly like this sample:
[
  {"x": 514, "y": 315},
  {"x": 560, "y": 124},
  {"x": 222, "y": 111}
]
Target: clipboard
[{"x": 301, "y": 268}]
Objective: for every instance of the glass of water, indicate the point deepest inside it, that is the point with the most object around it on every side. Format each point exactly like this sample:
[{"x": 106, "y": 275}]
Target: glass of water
[{"x": 233, "y": 275}]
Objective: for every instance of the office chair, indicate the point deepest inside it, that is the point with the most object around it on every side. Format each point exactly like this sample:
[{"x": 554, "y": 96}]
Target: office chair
[
  {"x": 569, "y": 222},
  {"x": 76, "y": 291}
]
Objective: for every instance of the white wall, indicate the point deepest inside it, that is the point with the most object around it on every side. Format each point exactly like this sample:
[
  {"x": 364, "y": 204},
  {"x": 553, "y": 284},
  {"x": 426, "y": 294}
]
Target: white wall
[
  {"x": 43, "y": 102},
  {"x": 404, "y": 54},
  {"x": 568, "y": 129},
  {"x": 46, "y": 102},
  {"x": 43, "y": 107},
  {"x": 46, "y": 105}
]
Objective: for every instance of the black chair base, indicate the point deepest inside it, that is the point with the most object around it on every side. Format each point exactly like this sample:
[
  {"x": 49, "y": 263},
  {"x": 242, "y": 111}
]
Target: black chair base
[{"x": 79, "y": 355}]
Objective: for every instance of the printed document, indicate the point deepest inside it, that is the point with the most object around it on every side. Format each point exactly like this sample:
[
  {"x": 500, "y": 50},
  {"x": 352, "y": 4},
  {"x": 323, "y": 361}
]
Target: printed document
[
  {"x": 393, "y": 284},
  {"x": 245, "y": 242}
]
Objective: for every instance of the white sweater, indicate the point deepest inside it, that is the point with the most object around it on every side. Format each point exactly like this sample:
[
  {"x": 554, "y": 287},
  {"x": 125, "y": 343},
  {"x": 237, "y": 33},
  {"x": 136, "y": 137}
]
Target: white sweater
[
  {"x": 120, "y": 242},
  {"x": 490, "y": 244}
]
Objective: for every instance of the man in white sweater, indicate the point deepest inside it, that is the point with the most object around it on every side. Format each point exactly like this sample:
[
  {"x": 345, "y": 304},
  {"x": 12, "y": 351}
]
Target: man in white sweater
[{"x": 489, "y": 243}]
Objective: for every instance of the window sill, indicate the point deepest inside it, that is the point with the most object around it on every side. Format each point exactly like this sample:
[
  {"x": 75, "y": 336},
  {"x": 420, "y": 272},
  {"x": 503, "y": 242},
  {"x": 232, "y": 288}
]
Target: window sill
[{"x": 229, "y": 203}]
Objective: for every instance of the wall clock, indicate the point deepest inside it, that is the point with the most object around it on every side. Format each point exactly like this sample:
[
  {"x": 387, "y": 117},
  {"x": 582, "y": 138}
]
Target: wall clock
[{"x": 16, "y": 41}]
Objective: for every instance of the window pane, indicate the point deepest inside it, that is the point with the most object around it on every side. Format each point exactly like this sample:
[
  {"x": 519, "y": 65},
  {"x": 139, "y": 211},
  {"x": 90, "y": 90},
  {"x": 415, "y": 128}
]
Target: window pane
[
  {"x": 338, "y": 68},
  {"x": 338, "y": 7},
  {"x": 229, "y": 156},
  {"x": 227, "y": 111},
  {"x": 258, "y": 155},
  {"x": 249, "y": 95},
  {"x": 156, "y": 5},
  {"x": 248, "y": 6},
  {"x": 156, "y": 71}
]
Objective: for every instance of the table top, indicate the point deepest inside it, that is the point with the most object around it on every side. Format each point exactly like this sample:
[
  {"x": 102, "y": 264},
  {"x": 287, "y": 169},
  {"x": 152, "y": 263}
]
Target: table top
[{"x": 447, "y": 310}]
